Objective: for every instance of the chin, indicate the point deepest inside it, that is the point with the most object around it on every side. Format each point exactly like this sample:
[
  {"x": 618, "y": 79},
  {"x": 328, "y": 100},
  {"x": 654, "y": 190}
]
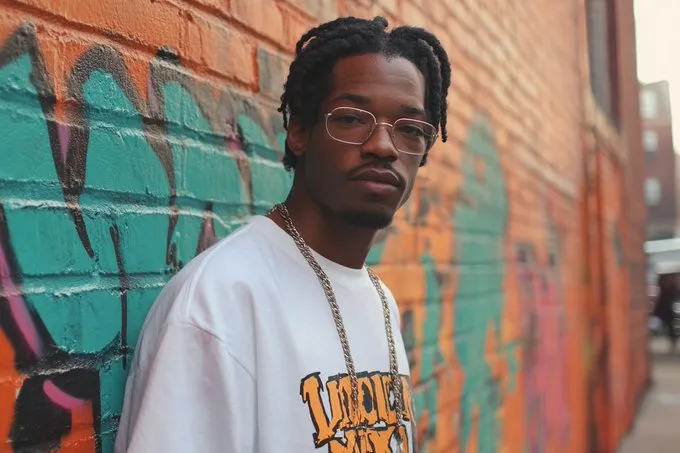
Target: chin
[{"x": 373, "y": 219}]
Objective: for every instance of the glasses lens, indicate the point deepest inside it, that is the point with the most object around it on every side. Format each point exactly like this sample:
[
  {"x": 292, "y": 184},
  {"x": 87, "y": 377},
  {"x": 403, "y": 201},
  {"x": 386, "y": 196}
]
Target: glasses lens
[
  {"x": 350, "y": 125},
  {"x": 413, "y": 137}
]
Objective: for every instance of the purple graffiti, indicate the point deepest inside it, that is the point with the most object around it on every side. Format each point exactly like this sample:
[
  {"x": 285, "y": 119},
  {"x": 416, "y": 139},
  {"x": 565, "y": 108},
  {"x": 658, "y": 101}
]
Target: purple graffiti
[{"x": 547, "y": 415}]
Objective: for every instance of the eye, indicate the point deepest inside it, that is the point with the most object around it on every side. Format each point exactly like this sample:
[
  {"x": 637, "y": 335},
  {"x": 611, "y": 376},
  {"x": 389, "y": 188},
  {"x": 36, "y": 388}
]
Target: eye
[
  {"x": 411, "y": 131},
  {"x": 348, "y": 119}
]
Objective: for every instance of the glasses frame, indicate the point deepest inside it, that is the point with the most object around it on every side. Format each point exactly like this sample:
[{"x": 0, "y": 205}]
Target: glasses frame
[{"x": 377, "y": 123}]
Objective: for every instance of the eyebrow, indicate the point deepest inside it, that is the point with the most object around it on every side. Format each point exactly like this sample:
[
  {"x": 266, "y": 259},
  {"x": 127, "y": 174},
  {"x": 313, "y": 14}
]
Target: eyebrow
[
  {"x": 412, "y": 110},
  {"x": 356, "y": 98},
  {"x": 365, "y": 101}
]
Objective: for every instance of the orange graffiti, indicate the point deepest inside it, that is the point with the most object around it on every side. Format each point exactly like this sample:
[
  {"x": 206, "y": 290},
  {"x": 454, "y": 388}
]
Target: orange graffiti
[
  {"x": 377, "y": 424},
  {"x": 10, "y": 383}
]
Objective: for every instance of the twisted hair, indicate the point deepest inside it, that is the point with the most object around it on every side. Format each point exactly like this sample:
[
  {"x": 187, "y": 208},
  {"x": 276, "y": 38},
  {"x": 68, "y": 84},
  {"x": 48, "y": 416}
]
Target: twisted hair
[{"x": 320, "y": 48}]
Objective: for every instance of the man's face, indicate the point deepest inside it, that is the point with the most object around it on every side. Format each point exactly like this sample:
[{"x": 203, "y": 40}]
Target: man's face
[{"x": 363, "y": 183}]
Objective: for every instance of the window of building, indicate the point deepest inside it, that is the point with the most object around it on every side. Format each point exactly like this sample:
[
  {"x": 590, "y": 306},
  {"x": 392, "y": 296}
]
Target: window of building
[
  {"x": 649, "y": 104},
  {"x": 602, "y": 55},
  {"x": 651, "y": 141},
  {"x": 652, "y": 191}
]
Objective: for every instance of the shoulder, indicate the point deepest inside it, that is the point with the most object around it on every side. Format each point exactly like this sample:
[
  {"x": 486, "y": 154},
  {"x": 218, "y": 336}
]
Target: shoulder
[
  {"x": 219, "y": 279},
  {"x": 216, "y": 294}
]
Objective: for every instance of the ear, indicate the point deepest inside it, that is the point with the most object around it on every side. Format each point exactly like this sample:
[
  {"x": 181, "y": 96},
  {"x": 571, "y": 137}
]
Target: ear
[{"x": 298, "y": 137}]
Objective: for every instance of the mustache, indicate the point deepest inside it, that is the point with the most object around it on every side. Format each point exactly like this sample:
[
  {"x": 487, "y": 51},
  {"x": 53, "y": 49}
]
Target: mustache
[{"x": 372, "y": 167}]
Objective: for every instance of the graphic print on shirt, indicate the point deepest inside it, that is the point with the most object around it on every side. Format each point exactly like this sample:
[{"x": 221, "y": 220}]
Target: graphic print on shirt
[{"x": 333, "y": 413}]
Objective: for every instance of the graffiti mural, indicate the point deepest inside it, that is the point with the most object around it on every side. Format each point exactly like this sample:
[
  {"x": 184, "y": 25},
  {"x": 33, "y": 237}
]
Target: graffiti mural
[
  {"x": 452, "y": 302},
  {"x": 480, "y": 219},
  {"x": 196, "y": 158},
  {"x": 619, "y": 311},
  {"x": 123, "y": 156},
  {"x": 544, "y": 334}
]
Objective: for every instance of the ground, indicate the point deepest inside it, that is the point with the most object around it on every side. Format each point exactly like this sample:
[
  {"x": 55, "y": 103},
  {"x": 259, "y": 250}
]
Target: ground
[{"x": 656, "y": 428}]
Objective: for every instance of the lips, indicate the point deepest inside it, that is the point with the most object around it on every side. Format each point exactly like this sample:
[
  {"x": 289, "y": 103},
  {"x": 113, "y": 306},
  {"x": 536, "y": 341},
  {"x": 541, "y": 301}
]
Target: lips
[{"x": 379, "y": 176}]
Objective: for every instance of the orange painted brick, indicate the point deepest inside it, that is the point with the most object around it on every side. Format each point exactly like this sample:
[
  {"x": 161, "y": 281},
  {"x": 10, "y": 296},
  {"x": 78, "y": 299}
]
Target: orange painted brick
[
  {"x": 354, "y": 8},
  {"x": 263, "y": 16},
  {"x": 461, "y": 14},
  {"x": 390, "y": 6},
  {"x": 406, "y": 280},
  {"x": 220, "y": 6},
  {"x": 403, "y": 251},
  {"x": 9, "y": 23},
  {"x": 414, "y": 15},
  {"x": 321, "y": 10},
  {"x": 437, "y": 13},
  {"x": 154, "y": 24},
  {"x": 303, "y": 6},
  {"x": 295, "y": 25},
  {"x": 50, "y": 6},
  {"x": 223, "y": 50}
]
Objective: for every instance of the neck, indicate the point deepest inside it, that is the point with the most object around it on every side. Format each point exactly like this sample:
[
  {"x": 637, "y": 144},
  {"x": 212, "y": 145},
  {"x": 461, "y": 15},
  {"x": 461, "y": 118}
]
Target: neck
[{"x": 328, "y": 234}]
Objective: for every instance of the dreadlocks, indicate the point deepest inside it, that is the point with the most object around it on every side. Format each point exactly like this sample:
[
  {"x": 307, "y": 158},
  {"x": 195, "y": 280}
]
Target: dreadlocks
[{"x": 319, "y": 49}]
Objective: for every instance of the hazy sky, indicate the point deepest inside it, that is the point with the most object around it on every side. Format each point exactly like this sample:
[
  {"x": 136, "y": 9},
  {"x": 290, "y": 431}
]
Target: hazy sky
[{"x": 657, "y": 24}]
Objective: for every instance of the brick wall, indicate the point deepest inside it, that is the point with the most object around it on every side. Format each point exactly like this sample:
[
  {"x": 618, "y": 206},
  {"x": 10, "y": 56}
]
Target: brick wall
[{"x": 133, "y": 134}]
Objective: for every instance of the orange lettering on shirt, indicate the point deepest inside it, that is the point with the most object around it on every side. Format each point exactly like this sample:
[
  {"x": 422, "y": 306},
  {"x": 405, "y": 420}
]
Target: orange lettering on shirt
[
  {"x": 311, "y": 395},
  {"x": 377, "y": 416}
]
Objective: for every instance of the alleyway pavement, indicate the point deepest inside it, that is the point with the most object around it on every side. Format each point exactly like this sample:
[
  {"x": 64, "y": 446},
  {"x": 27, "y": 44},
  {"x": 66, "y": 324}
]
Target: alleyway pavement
[{"x": 657, "y": 428}]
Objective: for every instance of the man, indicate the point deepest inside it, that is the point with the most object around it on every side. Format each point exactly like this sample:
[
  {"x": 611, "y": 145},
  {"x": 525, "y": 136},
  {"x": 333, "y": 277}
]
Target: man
[
  {"x": 278, "y": 339},
  {"x": 664, "y": 305}
]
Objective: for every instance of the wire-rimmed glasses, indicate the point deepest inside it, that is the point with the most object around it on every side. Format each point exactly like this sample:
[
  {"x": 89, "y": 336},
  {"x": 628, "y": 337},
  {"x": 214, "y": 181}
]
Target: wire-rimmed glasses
[{"x": 355, "y": 126}]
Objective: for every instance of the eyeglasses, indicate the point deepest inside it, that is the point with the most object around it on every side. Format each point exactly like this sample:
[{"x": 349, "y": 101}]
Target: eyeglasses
[{"x": 355, "y": 126}]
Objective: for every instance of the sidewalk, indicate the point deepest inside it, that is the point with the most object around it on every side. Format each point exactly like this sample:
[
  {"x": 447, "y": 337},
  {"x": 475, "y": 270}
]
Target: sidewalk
[{"x": 657, "y": 428}]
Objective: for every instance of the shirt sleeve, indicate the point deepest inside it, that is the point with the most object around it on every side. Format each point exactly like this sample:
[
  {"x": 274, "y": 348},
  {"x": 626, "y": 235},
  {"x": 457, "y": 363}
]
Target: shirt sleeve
[{"x": 192, "y": 396}]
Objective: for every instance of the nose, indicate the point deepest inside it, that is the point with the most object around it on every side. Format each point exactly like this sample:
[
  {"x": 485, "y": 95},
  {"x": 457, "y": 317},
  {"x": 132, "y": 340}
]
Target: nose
[{"x": 380, "y": 143}]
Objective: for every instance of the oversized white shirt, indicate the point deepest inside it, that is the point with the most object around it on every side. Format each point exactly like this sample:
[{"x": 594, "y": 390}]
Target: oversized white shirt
[{"x": 240, "y": 354}]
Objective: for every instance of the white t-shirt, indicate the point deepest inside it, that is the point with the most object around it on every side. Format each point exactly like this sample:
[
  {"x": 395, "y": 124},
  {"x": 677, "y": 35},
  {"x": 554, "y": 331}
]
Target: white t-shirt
[{"x": 240, "y": 354}]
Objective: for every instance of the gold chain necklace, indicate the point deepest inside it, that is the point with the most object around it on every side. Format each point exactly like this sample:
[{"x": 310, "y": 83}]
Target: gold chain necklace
[{"x": 397, "y": 390}]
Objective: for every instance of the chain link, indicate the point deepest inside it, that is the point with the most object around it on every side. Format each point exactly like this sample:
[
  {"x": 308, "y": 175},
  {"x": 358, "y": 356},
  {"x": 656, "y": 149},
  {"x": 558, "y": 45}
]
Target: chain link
[{"x": 397, "y": 387}]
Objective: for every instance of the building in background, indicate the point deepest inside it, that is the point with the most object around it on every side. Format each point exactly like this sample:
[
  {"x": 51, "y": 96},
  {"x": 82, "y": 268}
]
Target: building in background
[{"x": 661, "y": 188}]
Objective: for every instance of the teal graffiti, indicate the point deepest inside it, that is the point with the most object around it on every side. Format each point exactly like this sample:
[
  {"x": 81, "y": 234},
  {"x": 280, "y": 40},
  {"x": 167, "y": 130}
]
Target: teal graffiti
[
  {"x": 100, "y": 208},
  {"x": 430, "y": 357},
  {"x": 268, "y": 186},
  {"x": 480, "y": 222}
]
